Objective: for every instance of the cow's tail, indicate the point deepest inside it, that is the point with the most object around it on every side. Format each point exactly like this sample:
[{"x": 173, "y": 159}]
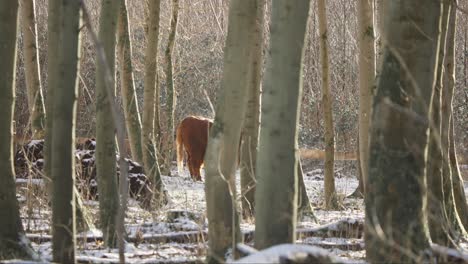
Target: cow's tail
[{"x": 180, "y": 150}]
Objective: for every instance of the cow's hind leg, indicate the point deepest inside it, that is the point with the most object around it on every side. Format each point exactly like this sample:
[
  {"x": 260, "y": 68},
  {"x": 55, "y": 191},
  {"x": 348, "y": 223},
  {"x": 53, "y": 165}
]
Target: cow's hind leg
[{"x": 197, "y": 167}]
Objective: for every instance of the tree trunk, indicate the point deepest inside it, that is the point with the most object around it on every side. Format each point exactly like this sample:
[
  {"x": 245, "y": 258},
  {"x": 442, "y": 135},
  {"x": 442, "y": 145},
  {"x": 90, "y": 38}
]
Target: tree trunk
[
  {"x": 170, "y": 91},
  {"x": 366, "y": 79},
  {"x": 331, "y": 201},
  {"x": 127, "y": 84},
  {"x": 250, "y": 131},
  {"x": 303, "y": 202},
  {"x": 450, "y": 159},
  {"x": 105, "y": 126},
  {"x": 31, "y": 64},
  {"x": 221, "y": 156},
  {"x": 277, "y": 160},
  {"x": 150, "y": 106},
  {"x": 395, "y": 214},
  {"x": 63, "y": 144},
  {"x": 13, "y": 242}
]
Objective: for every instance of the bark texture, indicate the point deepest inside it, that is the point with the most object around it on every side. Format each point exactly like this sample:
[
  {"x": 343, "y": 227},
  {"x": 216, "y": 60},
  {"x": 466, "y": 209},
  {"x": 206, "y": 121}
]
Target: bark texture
[
  {"x": 13, "y": 242},
  {"x": 150, "y": 104},
  {"x": 221, "y": 156},
  {"x": 127, "y": 85},
  {"x": 277, "y": 160},
  {"x": 63, "y": 143},
  {"x": 31, "y": 64},
  {"x": 105, "y": 125},
  {"x": 331, "y": 201},
  {"x": 171, "y": 100},
  {"x": 396, "y": 229},
  {"x": 250, "y": 131}
]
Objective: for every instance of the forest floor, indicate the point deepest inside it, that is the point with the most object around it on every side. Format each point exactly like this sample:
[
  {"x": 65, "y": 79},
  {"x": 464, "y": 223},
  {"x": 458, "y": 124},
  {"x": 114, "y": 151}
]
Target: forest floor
[{"x": 158, "y": 238}]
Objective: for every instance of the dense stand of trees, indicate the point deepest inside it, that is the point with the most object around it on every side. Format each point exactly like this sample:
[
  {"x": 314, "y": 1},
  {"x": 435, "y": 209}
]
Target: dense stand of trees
[{"x": 411, "y": 199}]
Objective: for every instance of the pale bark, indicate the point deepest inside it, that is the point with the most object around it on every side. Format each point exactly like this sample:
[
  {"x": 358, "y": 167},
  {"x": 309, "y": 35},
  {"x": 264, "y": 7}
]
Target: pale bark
[
  {"x": 250, "y": 131},
  {"x": 105, "y": 125},
  {"x": 331, "y": 201},
  {"x": 277, "y": 160},
  {"x": 221, "y": 156},
  {"x": 63, "y": 144},
  {"x": 150, "y": 105},
  {"x": 366, "y": 79},
  {"x": 127, "y": 85},
  {"x": 12, "y": 237},
  {"x": 31, "y": 64},
  {"x": 171, "y": 100},
  {"x": 395, "y": 214}
]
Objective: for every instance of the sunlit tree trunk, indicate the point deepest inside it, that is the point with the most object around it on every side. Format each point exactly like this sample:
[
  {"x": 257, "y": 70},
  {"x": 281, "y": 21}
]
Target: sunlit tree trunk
[
  {"x": 221, "y": 156},
  {"x": 127, "y": 84},
  {"x": 13, "y": 242},
  {"x": 31, "y": 64},
  {"x": 395, "y": 213},
  {"x": 250, "y": 131},
  {"x": 150, "y": 105},
  {"x": 105, "y": 125},
  {"x": 63, "y": 143},
  {"x": 366, "y": 78},
  {"x": 277, "y": 160},
  {"x": 331, "y": 201},
  {"x": 170, "y": 91}
]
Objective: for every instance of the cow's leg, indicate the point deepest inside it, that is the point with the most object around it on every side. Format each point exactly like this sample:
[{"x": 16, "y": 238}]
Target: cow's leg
[
  {"x": 191, "y": 168},
  {"x": 196, "y": 168}
]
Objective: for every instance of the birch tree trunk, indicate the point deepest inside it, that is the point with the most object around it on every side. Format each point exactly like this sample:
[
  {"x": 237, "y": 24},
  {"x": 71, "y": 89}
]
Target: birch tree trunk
[
  {"x": 127, "y": 84},
  {"x": 63, "y": 144},
  {"x": 170, "y": 91},
  {"x": 277, "y": 160},
  {"x": 105, "y": 126},
  {"x": 13, "y": 241},
  {"x": 250, "y": 131},
  {"x": 395, "y": 214},
  {"x": 31, "y": 64},
  {"x": 221, "y": 156},
  {"x": 150, "y": 106},
  {"x": 331, "y": 201},
  {"x": 366, "y": 79}
]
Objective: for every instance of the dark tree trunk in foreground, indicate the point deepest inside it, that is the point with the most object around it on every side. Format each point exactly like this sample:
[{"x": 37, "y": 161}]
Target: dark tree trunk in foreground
[
  {"x": 395, "y": 213},
  {"x": 13, "y": 242},
  {"x": 277, "y": 161},
  {"x": 105, "y": 125},
  {"x": 63, "y": 144}
]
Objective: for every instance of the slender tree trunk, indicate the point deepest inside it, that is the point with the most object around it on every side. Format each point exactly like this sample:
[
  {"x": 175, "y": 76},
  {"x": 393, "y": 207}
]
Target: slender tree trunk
[
  {"x": 170, "y": 90},
  {"x": 450, "y": 159},
  {"x": 303, "y": 202},
  {"x": 31, "y": 63},
  {"x": 13, "y": 242},
  {"x": 277, "y": 160},
  {"x": 366, "y": 79},
  {"x": 105, "y": 126},
  {"x": 331, "y": 201},
  {"x": 395, "y": 213},
  {"x": 127, "y": 84},
  {"x": 63, "y": 144},
  {"x": 221, "y": 156},
  {"x": 54, "y": 10},
  {"x": 250, "y": 131},
  {"x": 150, "y": 105}
]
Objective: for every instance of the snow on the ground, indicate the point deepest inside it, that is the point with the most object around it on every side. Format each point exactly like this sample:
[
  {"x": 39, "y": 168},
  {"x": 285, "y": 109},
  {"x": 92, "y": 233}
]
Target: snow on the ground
[{"x": 189, "y": 196}]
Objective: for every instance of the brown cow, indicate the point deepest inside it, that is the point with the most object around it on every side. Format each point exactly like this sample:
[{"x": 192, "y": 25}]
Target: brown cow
[{"x": 192, "y": 135}]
